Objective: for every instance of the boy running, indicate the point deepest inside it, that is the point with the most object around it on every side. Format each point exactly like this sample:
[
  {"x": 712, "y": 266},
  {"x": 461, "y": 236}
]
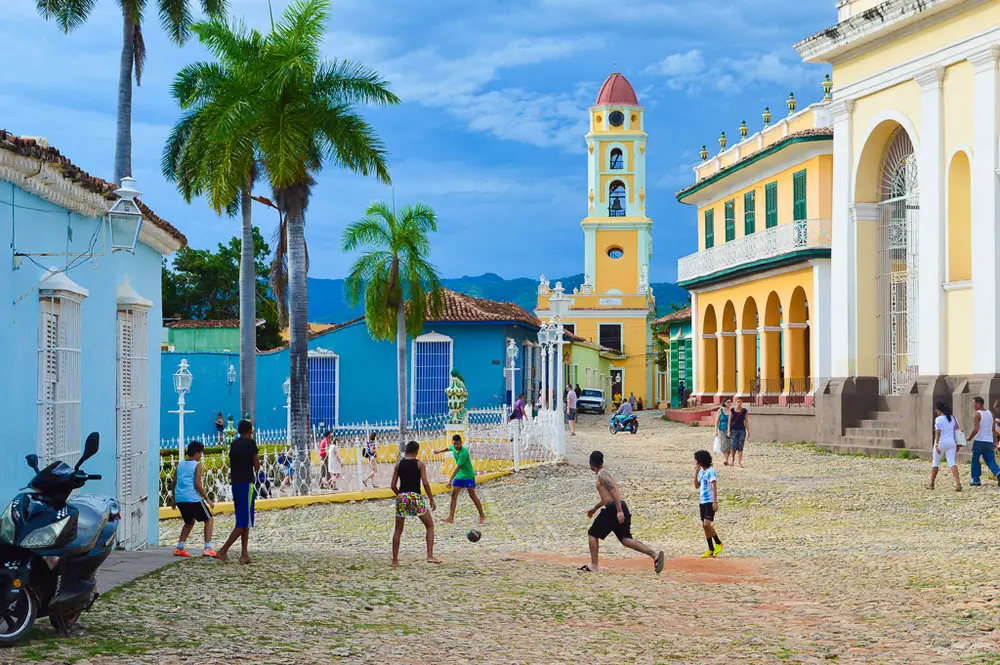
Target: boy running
[
  {"x": 464, "y": 476},
  {"x": 191, "y": 499},
  {"x": 409, "y": 474},
  {"x": 613, "y": 518},
  {"x": 244, "y": 461},
  {"x": 705, "y": 479}
]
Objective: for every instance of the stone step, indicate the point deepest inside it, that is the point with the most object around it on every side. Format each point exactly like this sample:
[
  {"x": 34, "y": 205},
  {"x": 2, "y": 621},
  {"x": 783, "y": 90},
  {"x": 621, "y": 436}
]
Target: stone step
[
  {"x": 879, "y": 423},
  {"x": 868, "y": 441},
  {"x": 888, "y": 416},
  {"x": 855, "y": 448},
  {"x": 873, "y": 432}
]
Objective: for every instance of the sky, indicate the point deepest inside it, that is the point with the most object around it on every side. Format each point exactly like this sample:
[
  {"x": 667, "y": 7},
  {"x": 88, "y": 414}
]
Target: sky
[{"x": 490, "y": 131}]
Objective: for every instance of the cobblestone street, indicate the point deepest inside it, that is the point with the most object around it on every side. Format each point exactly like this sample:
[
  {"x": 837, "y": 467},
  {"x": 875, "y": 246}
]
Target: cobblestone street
[{"x": 828, "y": 559}]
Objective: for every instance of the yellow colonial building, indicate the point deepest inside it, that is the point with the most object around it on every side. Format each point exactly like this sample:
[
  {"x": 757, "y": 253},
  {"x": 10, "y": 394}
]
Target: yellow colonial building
[
  {"x": 760, "y": 280},
  {"x": 614, "y": 305},
  {"x": 914, "y": 310}
]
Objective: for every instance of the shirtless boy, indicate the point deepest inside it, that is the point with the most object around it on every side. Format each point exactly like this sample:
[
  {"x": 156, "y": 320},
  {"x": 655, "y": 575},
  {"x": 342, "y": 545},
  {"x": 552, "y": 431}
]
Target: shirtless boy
[{"x": 613, "y": 518}]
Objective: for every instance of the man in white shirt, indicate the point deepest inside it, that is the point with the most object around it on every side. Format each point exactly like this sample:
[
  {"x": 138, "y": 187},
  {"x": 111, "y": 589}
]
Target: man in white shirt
[
  {"x": 983, "y": 437},
  {"x": 571, "y": 410}
]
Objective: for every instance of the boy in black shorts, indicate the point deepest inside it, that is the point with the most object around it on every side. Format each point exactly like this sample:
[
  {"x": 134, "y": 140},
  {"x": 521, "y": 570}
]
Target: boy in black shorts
[
  {"x": 613, "y": 518},
  {"x": 706, "y": 481}
]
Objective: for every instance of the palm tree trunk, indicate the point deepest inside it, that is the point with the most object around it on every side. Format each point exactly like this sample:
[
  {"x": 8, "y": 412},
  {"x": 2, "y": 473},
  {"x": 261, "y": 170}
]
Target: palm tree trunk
[
  {"x": 298, "y": 319},
  {"x": 401, "y": 373},
  {"x": 123, "y": 131},
  {"x": 248, "y": 313}
]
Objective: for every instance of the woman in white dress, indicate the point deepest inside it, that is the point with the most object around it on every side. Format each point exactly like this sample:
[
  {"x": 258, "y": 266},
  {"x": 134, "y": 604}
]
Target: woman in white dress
[{"x": 946, "y": 438}]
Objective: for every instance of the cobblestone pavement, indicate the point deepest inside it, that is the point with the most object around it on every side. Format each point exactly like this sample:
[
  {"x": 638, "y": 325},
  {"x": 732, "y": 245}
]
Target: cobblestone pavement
[{"x": 828, "y": 559}]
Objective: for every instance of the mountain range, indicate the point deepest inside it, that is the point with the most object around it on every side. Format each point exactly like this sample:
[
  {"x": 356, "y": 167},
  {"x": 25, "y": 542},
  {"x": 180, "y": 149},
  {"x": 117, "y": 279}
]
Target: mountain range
[{"x": 327, "y": 303}]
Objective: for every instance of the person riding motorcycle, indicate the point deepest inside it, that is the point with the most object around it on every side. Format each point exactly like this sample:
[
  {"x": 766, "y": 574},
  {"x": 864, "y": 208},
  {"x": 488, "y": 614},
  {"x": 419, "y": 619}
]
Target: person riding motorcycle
[{"x": 623, "y": 412}]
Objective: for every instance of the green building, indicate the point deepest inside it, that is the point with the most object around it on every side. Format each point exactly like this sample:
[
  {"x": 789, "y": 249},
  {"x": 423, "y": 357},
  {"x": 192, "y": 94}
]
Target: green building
[
  {"x": 216, "y": 336},
  {"x": 588, "y": 365},
  {"x": 673, "y": 361}
]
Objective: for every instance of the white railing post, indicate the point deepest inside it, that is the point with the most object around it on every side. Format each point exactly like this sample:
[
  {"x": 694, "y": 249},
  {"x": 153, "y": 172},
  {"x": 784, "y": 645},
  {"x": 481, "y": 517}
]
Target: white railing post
[{"x": 517, "y": 446}]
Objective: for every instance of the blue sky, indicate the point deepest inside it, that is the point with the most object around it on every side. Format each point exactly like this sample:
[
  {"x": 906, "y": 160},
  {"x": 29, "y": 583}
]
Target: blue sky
[{"x": 490, "y": 132}]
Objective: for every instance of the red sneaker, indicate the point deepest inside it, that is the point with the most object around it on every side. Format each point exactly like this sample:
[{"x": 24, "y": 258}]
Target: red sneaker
[
  {"x": 180, "y": 552},
  {"x": 211, "y": 553}
]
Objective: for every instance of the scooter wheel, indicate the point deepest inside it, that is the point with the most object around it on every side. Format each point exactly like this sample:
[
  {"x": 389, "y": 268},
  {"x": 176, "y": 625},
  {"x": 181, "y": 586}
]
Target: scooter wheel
[
  {"x": 64, "y": 623},
  {"x": 19, "y": 617},
  {"x": 611, "y": 428}
]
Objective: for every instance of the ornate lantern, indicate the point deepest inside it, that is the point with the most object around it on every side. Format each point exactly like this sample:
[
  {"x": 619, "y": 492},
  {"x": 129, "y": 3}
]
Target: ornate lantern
[
  {"x": 722, "y": 141},
  {"x": 827, "y": 88},
  {"x": 791, "y": 103},
  {"x": 704, "y": 152},
  {"x": 744, "y": 130},
  {"x": 125, "y": 218}
]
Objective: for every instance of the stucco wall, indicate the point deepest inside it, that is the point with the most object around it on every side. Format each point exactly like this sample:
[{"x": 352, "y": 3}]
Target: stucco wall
[
  {"x": 771, "y": 423},
  {"x": 39, "y": 226},
  {"x": 204, "y": 339}
]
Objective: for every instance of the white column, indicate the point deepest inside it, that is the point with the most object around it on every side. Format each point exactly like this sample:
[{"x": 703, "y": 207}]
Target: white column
[
  {"x": 985, "y": 237},
  {"x": 843, "y": 264},
  {"x": 695, "y": 337},
  {"x": 931, "y": 228},
  {"x": 590, "y": 255},
  {"x": 820, "y": 322}
]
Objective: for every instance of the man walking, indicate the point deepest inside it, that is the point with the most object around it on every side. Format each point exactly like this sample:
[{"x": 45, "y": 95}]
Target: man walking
[
  {"x": 983, "y": 428},
  {"x": 571, "y": 410},
  {"x": 244, "y": 462},
  {"x": 613, "y": 518}
]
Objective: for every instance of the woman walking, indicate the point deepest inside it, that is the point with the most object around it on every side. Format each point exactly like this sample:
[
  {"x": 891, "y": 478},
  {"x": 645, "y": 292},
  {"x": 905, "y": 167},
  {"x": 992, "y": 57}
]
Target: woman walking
[
  {"x": 739, "y": 430},
  {"x": 945, "y": 443},
  {"x": 370, "y": 453},
  {"x": 722, "y": 428}
]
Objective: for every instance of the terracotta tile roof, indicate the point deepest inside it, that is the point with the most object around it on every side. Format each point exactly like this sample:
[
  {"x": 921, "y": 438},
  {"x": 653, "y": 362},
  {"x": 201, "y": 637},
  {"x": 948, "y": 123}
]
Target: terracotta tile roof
[
  {"x": 460, "y": 308},
  {"x": 679, "y": 315},
  {"x": 32, "y": 149}
]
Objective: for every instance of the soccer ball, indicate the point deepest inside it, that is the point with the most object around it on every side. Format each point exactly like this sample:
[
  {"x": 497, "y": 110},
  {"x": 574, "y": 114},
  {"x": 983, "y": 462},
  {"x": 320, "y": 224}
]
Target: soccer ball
[{"x": 474, "y": 535}]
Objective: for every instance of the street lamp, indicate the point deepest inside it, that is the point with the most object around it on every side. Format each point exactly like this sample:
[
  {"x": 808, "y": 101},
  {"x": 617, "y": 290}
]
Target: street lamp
[
  {"x": 543, "y": 356},
  {"x": 231, "y": 376},
  {"x": 286, "y": 388},
  {"x": 125, "y": 218},
  {"x": 559, "y": 305},
  {"x": 182, "y": 386},
  {"x": 511, "y": 358}
]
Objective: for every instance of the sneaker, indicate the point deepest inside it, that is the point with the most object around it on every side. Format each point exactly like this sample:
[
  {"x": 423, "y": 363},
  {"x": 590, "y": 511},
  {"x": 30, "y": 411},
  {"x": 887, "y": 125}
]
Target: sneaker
[
  {"x": 708, "y": 555},
  {"x": 718, "y": 549},
  {"x": 975, "y": 484},
  {"x": 180, "y": 552},
  {"x": 209, "y": 552}
]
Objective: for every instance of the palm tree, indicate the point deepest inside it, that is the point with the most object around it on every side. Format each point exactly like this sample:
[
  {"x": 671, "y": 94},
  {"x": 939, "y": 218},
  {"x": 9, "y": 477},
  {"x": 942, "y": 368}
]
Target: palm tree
[
  {"x": 212, "y": 152},
  {"x": 394, "y": 269},
  {"x": 307, "y": 119},
  {"x": 176, "y": 19}
]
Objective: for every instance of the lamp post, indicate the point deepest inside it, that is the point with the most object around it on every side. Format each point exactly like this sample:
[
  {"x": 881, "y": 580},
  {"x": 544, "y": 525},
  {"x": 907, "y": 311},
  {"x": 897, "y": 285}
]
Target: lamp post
[
  {"x": 543, "y": 343},
  {"x": 511, "y": 358},
  {"x": 231, "y": 377},
  {"x": 182, "y": 386},
  {"x": 559, "y": 304},
  {"x": 286, "y": 388}
]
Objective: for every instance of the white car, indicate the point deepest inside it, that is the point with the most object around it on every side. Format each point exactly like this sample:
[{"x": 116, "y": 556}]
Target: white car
[{"x": 591, "y": 399}]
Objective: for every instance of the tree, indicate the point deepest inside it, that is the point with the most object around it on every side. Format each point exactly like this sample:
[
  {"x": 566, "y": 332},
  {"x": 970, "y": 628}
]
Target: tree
[
  {"x": 212, "y": 151},
  {"x": 307, "y": 119},
  {"x": 176, "y": 19},
  {"x": 202, "y": 284},
  {"x": 394, "y": 270}
]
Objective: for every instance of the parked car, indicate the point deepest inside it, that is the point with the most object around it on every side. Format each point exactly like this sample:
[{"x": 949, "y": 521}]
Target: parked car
[{"x": 591, "y": 399}]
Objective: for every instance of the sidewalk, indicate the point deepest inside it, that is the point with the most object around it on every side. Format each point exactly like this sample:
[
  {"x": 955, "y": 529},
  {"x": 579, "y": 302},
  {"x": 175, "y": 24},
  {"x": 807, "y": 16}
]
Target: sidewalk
[{"x": 122, "y": 567}]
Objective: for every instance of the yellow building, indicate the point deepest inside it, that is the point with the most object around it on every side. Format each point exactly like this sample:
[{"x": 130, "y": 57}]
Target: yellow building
[
  {"x": 761, "y": 277},
  {"x": 914, "y": 273},
  {"x": 615, "y": 304}
]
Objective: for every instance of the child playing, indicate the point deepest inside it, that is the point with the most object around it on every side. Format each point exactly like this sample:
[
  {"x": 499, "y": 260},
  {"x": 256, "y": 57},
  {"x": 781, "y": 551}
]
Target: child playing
[
  {"x": 706, "y": 480},
  {"x": 191, "y": 499},
  {"x": 409, "y": 474},
  {"x": 464, "y": 476}
]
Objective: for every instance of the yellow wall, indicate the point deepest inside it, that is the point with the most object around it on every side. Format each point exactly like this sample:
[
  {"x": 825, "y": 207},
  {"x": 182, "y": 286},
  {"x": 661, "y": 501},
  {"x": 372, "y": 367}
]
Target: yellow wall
[
  {"x": 904, "y": 99},
  {"x": 597, "y": 122},
  {"x": 958, "y": 331},
  {"x": 959, "y": 219},
  {"x": 607, "y": 179},
  {"x": 897, "y": 51},
  {"x": 958, "y": 94},
  {"x": 635, "y": 332},
  {"x": 603, "y": 148},
  {"x": 819, "y": 183},
  {"x": 623, "y": 273}
]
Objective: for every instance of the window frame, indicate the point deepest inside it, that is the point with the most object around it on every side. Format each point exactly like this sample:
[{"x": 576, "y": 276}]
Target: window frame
[
  {"x": 611, "y": 159},
  {"x": 710, "y": 228},
  {"x": 621, "y": 335},
  {"x": 429, "y": 338},
  {"x": 730, "y": 214},
  {"x": 612, "y": 196},
  {"x": 60, "y": 377},
  {"x": 771, "y": 205},
  {"x": 318, "y": 357},
  {"x": 749, "y": 212},
  {"x": 800, "y": 209}
]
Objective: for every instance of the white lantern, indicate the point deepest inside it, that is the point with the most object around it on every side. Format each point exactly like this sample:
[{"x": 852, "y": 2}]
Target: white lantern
[
  {"x": 231, "y": 375},
  {"x": 558, "y": 302},
  {"x": 511, "y": 351},
  {"x": 125, "y": 218},
  {"x": 183, "y": 378}
]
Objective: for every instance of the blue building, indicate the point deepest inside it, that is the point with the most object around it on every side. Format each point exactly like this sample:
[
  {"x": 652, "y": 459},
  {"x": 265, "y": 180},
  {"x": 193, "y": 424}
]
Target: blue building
[
  {"x": 353, "y": 378},
  {"x": 77, "y": 305}
]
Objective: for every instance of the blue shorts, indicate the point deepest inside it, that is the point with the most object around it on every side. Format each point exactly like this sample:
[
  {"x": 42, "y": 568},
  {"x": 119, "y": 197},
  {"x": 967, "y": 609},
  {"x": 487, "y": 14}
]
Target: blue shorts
[
  {"x": 244, "y": 497},
  {"x": 460, "y": 482}
]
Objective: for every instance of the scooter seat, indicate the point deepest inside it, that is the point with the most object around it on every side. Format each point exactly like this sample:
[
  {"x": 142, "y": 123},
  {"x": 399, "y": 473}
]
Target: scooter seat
[{"x": 94, "y": 513}]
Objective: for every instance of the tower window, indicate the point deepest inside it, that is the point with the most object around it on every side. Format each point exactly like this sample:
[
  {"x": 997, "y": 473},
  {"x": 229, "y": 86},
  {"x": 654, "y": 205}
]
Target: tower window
[
  {"x": 615, "y": 253},
  {"x": 617, "y": 161},
  {"x": 616, "y": 199}
]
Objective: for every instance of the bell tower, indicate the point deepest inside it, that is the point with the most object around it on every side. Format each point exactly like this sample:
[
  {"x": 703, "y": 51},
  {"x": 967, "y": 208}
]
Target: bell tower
[{"x": 616, "y": 229}]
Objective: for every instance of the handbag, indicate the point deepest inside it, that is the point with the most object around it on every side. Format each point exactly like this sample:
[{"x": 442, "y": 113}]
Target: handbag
[{"x": 717, "y": 446}]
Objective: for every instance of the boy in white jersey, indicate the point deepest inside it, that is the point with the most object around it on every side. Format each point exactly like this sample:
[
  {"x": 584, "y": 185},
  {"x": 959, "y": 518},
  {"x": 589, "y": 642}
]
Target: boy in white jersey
[
  {"x": 191, "y": 499},
  {"x": 705, "y": 479}
]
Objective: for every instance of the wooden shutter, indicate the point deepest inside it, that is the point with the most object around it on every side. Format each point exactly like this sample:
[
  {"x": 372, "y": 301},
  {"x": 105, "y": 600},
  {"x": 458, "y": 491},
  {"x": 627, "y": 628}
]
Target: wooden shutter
[
  {"x": 771, "y": 205},
  {"x": 799, "y": 210},
  {"x": 688, "y": 365},
  {"x": 730, "y": 220},
  {"x": 709, "y": 229},
  {"x": 749, "y": 212}
]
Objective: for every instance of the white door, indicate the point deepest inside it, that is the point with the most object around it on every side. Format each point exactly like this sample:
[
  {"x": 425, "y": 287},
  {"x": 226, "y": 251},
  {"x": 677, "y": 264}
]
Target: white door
[{"x": 133, "y": 427}]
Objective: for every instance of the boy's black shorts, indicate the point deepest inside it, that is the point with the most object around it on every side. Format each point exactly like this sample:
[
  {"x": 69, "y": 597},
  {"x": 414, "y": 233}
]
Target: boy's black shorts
[
  {"x": 707, "y": 511},
  {"x": 607, "y": 522},
  {"x": 194, "y": 511}
]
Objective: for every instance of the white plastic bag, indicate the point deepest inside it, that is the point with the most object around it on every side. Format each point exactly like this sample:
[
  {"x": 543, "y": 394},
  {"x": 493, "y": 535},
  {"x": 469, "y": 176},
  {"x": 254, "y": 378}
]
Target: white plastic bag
[{"x": 717, "y": 446}]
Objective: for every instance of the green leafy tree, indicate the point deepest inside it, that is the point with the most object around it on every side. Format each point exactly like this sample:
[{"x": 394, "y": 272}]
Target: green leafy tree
[
  {"x": 212, "y": 152},
  {"x": 202, "y": 284},
  {"x": 176, "y": 17},
  {"x": 395, "y": 279}
]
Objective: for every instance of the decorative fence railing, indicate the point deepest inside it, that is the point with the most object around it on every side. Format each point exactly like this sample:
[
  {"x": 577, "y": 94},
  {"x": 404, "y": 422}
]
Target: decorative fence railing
[
  {"x": 765, "y": 244},
  {"x": 494, "y": 443}
]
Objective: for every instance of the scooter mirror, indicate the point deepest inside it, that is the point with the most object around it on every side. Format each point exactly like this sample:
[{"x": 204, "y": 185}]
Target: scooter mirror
[
  {"x": 32, "y": 461},
  {"x": 89, "y": 448}
]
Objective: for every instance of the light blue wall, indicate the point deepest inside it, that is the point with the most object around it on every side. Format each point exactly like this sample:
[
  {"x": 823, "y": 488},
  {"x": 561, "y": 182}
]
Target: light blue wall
[
  {"x": 35, "y": 226},
  {"x": 367, "y": 375}
]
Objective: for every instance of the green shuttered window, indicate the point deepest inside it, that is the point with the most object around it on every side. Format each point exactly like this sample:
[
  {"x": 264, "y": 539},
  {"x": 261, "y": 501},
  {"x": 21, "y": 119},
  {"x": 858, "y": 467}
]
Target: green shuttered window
[
  {"x": 771, "y": 205},
  {"x": 709, "y": 229},
  {"x": 799, "y": 210},
  {"x": 730, "y": 220},
  {"x": 749, "y": 212}
]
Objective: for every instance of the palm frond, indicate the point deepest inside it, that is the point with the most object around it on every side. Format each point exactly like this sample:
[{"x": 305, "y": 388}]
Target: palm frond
[
  {"x": 346, "y": 82},
  {"x": 138, "y": 53},
  {"x": 176, "y": 19},
  {"x": 350, "y": 141},
  {"x": 68, "y": 14}
]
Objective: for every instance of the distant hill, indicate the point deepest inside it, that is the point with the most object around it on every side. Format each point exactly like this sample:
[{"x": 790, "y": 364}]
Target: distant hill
[{"x": 327, "y": 305}]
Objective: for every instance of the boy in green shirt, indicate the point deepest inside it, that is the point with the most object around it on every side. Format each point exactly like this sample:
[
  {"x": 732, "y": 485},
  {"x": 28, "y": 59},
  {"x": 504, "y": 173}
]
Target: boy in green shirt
[{"x": 464, "y": 476}]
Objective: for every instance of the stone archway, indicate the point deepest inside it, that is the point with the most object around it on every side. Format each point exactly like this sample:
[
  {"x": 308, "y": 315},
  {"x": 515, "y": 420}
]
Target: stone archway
[
  {"x": 708, "y": 354},
  {"x": 747, "y": 342},
  {"x": 771, "y": 384},
  {"x": 727, "y": 350},
  {"x": 797, "y": 344}
]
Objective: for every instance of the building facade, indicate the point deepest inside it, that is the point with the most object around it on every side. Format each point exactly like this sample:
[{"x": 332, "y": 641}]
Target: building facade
[
  {"x": 675, "y": 361},
  {"x": 185, "y": 336},
  {"x": 615, "y": 304},
  {"x": 760, "y": 280},
  {"x": 81, "y": 323},
  {"x": 914, "y": 271}
]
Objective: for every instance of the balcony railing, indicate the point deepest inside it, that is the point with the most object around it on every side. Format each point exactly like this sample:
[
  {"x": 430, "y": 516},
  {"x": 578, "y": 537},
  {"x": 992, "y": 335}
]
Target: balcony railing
[{"x": 765, "y": 244}]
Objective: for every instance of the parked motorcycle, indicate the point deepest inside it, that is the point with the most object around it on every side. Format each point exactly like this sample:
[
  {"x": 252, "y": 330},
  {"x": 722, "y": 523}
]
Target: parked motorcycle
[
  {"x": 51, "y": 547},
  {"x": 628, "y": 423}
]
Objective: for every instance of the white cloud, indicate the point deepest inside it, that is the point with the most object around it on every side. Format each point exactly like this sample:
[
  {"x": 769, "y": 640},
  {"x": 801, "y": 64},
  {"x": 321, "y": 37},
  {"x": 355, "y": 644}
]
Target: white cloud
[
  {"x": 690, "y": 72},
  {"x": 681, "y": 65}
]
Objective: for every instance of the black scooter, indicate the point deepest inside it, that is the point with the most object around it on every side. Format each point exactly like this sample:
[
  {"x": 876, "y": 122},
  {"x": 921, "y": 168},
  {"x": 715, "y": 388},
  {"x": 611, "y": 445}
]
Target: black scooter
[{"x": 51, "y": 547}]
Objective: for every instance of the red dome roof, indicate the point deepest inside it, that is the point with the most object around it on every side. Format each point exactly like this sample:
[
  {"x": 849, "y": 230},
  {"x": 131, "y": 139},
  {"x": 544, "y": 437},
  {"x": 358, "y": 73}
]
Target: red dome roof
[{"x": 617, "y": 90}]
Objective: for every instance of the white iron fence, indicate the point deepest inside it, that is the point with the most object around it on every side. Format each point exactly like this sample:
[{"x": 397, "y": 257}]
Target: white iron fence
[{"x": 494, "y": 443}]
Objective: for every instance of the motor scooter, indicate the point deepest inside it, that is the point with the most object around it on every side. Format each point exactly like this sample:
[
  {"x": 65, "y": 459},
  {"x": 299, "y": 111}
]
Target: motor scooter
[
  {"x": 51, "y": 547},
  {"x": 627, "y": 423}
]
